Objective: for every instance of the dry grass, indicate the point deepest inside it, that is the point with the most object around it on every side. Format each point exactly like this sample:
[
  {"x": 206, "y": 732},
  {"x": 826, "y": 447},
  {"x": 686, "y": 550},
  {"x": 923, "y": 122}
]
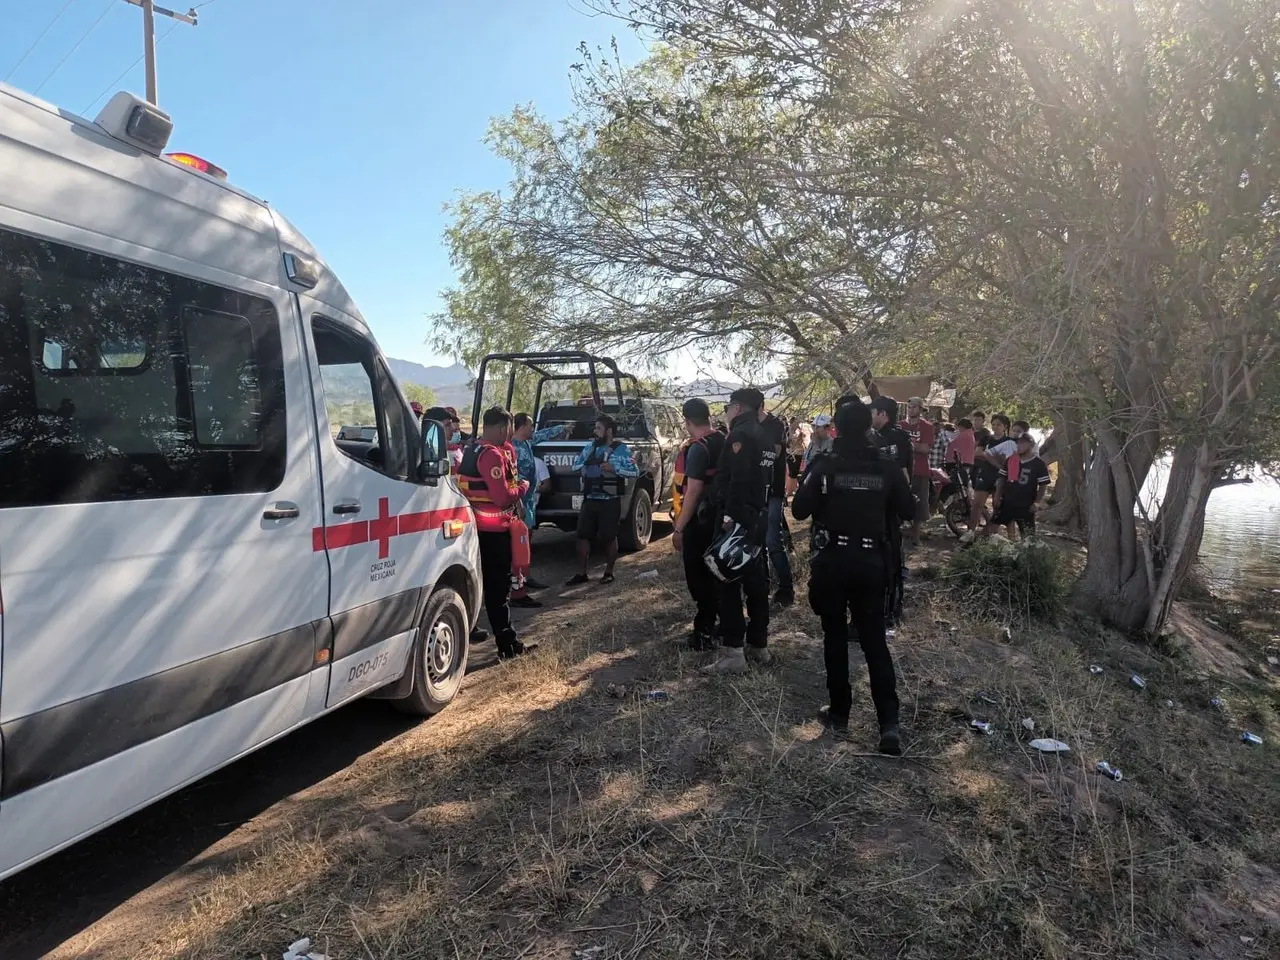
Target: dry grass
[{"x": 541, "y": 816}]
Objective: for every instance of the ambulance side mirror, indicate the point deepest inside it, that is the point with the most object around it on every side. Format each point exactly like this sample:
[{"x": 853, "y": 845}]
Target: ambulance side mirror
[{"x": 435, "y": 453}]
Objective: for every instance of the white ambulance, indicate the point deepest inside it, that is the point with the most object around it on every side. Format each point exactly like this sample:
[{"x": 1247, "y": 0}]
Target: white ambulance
[{"x": 191, "y": 563}]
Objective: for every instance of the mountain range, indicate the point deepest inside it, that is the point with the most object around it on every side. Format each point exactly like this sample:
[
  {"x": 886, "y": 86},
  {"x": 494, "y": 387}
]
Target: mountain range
[{"x": 453, "y": 385}]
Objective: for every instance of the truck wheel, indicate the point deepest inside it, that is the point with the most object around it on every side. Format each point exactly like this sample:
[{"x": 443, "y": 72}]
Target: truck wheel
[
  {"x": 637, "y": 525},
  {"x": 439, "y": 658}
]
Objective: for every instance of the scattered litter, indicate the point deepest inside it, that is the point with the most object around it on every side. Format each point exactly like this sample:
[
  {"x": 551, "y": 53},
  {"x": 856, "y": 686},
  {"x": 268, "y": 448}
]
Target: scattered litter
[
  {"x": 1048, "y": 745},
  {"x": 1006, "y": 634},
  {"x": 617, "y": 690},
  {"x": 1028, "y": 723},
  {"x": 1094, "y": 668},
  {"x": 890, "y": 633},
  {"x": 1245, "y": 940},
  {"x": 1212, "y": 622},
  {"x": 1252, "y": 739},
  {"x": 657, "y": 696},
  {"x": 1137, "y": 682},
  {"x": 1274, "y": 661},
  {"x": 648, "y": 575},
  {"x": 1107, "y": 770},
  {"x": 301, "y": 950},
  {"x": 1218, "y": 703},
  {"x": 590, "y": 953},
  {"x": 988, "y": 698},
  {"x": 981, "y": 726},
  {"x": 944, "y": 624},
  {"x": 1169, "y": 703}
]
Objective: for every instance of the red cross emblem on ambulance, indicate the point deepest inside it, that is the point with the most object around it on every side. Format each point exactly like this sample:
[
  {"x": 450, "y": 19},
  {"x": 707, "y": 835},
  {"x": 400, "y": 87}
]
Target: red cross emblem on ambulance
[{"x": 384, "y": 527}]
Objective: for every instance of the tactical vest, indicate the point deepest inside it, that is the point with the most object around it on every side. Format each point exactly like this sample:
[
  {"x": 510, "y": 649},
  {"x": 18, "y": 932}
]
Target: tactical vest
[
  {"x": 489, "y": 516},
  {"x": 680, "y": 482},
  {"x": 613, "y": 486},
  {"x": 855, "y": 495}
]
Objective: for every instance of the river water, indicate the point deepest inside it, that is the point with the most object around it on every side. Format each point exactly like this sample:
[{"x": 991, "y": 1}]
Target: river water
[{"x": 1241, "y": 548}]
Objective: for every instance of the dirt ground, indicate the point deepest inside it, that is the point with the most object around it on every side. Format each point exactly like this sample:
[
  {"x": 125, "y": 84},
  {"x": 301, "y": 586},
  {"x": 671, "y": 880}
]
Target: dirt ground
[{"x": 555, "y": 811}]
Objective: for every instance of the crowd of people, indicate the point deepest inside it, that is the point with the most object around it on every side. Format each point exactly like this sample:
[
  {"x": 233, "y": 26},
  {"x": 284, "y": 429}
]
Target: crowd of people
[{"x": 861, "y": 475}]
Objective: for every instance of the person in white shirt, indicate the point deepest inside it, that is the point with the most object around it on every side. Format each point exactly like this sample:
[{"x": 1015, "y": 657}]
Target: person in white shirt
[{"x": 822, "y": 440}]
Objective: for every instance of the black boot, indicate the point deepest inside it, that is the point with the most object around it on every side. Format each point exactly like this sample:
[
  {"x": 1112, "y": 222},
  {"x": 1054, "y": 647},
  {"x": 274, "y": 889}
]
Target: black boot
[
  {"x": 890, "y": 738},
  {"x": 515, "y": 649},
  {"x": 838, "y": 722},
  {"x": 697, "y": 640}
]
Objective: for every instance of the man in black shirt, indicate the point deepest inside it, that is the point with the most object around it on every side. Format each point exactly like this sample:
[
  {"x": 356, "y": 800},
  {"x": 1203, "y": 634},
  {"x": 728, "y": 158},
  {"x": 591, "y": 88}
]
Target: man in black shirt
[
  {"x": 989, "y": 461},
  {"x": 895, "y": 445},
  {"x": 980, "y": 430},
  {"x": 695, "y": 525},
  {"x": 855, "y": 497},
  {"x": 741, "y": 496},
  {"x": 1017, "y": 500},
  {"x": 893, "y": 441},
  {"x": 773, "y": 440}
]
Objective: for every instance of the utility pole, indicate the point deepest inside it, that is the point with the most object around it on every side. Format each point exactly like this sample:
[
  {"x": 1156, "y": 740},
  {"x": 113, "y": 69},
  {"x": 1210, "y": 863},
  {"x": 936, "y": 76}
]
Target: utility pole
[{"x": 149, "y": 10}]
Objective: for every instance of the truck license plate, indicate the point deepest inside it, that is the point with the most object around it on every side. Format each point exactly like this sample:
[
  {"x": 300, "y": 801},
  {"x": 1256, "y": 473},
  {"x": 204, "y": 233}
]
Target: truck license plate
[{"x": 577, "y": 501}]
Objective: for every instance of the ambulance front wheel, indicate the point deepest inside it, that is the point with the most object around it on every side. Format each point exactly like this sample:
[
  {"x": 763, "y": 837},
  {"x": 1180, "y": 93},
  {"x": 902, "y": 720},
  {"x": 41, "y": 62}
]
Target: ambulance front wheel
[{"x": 439, "y": 655}]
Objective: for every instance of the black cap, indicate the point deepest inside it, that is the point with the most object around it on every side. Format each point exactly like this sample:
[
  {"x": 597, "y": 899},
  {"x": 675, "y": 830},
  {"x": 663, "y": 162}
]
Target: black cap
[
  {"x": 853, "y": 420},
  {"x": 886, "y": 404},
  {"x": 437, "y": 413}
]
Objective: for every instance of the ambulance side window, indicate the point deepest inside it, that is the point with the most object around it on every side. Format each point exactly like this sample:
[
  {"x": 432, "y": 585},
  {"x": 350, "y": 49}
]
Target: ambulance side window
[
  {"x": 369, "y": 422},
  {"x": 119, "y": 381}
]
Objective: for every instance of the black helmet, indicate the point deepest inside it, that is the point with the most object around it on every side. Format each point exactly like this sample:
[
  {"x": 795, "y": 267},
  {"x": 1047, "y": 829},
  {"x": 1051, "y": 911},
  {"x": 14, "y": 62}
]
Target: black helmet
[{"x": 730, "y": 554}]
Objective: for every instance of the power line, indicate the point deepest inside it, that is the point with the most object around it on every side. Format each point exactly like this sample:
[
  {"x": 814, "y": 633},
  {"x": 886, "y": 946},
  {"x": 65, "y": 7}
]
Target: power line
[
  {"x": 129, "y": 69},
  {"x": 36, "y": 42},
  {"x": 85, "y": 36}
]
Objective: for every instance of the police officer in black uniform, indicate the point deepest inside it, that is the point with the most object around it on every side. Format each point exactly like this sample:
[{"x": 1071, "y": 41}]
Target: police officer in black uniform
[
  {"x": 699, "y": 520},
  {"x": 895, "y": 445},
  {"x": 741, "y": 492},
  {"x": 854, "y": 496}
]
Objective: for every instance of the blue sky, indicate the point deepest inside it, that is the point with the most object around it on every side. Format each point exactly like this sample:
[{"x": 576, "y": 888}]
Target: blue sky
[{"x": 358, "y": 119}]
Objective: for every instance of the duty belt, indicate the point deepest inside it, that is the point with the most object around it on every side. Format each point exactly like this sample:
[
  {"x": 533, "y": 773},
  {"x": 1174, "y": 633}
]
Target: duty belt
[{"x": 823, "y": 538}]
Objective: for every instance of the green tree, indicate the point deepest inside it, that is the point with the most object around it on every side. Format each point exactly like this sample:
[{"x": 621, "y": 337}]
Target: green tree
[{"x": 416, "y": 392}]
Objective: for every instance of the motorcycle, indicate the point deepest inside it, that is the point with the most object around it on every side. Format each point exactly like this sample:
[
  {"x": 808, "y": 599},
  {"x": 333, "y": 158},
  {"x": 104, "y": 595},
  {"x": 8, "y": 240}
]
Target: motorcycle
[{"x": 956, "y": 498}]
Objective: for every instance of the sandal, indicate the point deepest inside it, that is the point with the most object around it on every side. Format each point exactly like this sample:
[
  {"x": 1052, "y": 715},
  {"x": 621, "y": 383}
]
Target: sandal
[
  {"x": 607, "y": 578},
  {"x": 576, "y": 579}
]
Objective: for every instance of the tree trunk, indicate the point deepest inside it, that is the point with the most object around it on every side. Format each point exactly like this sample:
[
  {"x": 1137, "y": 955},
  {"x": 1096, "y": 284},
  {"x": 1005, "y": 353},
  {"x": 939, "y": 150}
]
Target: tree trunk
[
  {"x": 1174, "y": 543},
  {"x": 1117, "y": 582},
  {"x": 1067, "y": 448}
]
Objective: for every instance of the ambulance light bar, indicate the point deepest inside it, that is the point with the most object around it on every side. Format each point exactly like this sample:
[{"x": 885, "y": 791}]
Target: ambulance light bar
[{"x": 198, "y": 163}]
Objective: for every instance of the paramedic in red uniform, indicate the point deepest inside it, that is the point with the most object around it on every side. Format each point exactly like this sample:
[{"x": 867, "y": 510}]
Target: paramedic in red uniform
[{"x": 491, "y": 483}]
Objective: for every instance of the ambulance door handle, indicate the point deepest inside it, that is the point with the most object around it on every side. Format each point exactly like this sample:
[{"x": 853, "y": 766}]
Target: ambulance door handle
[
  {"x": 346, "y": 506},
  {"x": 284, "y": 510}
]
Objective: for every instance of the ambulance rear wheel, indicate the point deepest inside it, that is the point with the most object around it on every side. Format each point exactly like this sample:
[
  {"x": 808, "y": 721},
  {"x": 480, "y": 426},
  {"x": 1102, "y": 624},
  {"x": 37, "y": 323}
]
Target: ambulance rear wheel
[
  {"x": 439, "y": 655},
  {"x": 637, "y": 525}
]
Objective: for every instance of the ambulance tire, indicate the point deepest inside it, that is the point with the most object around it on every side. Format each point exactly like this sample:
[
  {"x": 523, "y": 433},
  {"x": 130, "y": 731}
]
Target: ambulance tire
[
  {"x": 637, "y": 525},
  {"x": 439, "y": 658}
]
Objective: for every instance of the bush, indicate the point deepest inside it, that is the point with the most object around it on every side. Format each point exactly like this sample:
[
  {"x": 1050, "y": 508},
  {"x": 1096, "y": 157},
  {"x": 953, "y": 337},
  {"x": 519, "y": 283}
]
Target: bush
[{"x": 1027, "y": 580}]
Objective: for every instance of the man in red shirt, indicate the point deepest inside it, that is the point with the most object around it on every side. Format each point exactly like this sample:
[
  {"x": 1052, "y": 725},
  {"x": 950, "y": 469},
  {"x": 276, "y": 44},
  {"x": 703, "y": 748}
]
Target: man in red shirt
[
  {"x": 920, "y": 431},
  {"x": 490, "y": 481}
]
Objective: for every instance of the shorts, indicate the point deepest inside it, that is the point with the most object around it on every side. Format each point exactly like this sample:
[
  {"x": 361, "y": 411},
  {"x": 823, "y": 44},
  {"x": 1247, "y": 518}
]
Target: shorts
[
  {"x": 599, "y": 520},
  {"x": 983, "y": 483},
  {"x": 922, "y": 488},
  {"x": 794, "y": 463},
  {"x": 1015, "y": 513}
]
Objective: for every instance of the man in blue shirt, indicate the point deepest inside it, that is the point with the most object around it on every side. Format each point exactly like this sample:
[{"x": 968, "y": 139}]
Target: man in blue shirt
[
  {"x": 524, "y": 439},
  {"x": 604, "y": 463}
]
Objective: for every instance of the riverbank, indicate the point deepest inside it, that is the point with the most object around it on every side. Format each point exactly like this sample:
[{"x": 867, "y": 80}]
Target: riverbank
[{"x": 555, "y": 809}]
